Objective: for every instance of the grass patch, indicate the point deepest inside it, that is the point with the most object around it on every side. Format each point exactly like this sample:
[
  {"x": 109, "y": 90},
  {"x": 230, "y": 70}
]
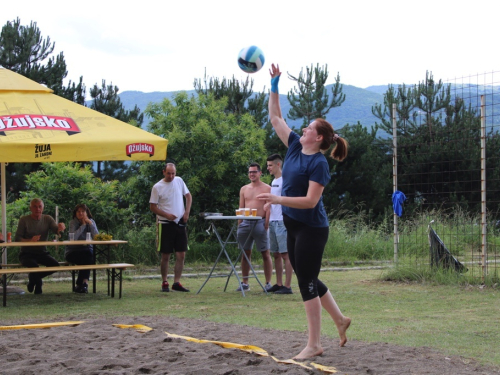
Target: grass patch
[
  {"x": 457, "y": 320},
  {"x": 421, "y": 272}
]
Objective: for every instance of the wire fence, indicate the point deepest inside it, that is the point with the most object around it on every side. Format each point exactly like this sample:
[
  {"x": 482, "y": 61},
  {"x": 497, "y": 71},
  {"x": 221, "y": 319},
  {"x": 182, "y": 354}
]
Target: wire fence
[{"x": 448, "y": 167}]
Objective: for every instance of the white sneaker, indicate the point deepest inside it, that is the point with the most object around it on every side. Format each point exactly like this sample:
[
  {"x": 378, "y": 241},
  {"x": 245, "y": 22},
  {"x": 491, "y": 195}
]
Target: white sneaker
[
  {"x": 268, "y": 287},
  {"x": 245, "y": 287}
]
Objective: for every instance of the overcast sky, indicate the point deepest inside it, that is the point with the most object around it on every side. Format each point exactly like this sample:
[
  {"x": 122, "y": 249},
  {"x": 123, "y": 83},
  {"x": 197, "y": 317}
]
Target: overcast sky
[{"x": 165, "y": 45}]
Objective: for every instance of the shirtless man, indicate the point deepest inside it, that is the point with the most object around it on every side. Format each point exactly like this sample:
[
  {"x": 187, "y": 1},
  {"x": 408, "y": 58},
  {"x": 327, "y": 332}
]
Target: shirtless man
[{"x": 248, "y": 199}]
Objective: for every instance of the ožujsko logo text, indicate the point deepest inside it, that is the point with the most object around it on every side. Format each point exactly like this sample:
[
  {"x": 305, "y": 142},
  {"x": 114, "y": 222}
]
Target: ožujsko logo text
[
  {"x": 136, "y": 148},
  {"x": 39, "y": 122}
]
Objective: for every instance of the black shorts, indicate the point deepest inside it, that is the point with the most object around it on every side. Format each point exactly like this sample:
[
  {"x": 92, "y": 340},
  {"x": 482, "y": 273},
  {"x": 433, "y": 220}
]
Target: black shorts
[{"x": 172, "y": 237}]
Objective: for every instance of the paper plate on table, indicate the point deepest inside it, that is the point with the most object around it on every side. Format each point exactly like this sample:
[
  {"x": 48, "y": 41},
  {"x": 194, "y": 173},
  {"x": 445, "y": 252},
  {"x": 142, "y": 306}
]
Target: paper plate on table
[{"x": 204, "y": 214}]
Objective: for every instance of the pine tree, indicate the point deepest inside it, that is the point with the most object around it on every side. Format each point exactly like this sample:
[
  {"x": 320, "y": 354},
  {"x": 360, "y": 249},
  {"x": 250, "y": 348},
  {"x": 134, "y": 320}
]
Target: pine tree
[
  {"x": 432, "y": 98},
  {"x": 24, "y": 51},
  {"x": 404, "y": 98},
  {"x": 237, "y": 93},
  {"x": 438, "y": 144},
  {"x": 363, "y": 179},
  {"x": 310, "y": 99}
]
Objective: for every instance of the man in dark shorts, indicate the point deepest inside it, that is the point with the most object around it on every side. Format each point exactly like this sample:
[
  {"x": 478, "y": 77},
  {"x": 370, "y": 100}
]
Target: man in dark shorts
[{"x": 167, "y": 202}]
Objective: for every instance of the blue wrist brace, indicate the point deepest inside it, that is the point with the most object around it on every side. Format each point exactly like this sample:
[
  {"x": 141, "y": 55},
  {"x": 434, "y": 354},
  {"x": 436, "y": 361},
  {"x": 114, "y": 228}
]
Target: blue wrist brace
[{"x": 274, "y": 84}]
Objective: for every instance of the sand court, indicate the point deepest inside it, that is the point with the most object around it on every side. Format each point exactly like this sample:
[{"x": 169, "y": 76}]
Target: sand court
[{"x": 98, "y": 346}]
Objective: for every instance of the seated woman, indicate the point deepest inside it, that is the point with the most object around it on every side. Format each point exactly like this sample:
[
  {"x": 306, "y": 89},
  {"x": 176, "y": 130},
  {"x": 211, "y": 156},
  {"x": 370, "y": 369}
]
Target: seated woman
[{"x": 81, "y": 223}]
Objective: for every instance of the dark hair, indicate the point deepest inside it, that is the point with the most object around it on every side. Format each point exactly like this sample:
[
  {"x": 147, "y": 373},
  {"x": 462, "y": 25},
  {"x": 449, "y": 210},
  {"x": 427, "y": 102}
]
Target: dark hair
[
  {"x": 324, "y": 128},
  {"x": 84, "y": 206},
  {"x": 274, "y": 157},
  {"x": 255, "y": 165}
]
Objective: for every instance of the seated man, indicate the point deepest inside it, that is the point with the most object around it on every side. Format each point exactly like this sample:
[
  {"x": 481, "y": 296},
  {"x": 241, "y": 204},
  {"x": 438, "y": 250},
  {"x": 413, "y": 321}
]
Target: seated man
[{"x": 34, "y": 228}]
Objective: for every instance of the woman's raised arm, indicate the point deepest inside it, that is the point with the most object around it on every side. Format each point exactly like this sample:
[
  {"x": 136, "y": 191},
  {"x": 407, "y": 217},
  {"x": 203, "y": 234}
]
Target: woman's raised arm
[{"x": 279, "y": 124}]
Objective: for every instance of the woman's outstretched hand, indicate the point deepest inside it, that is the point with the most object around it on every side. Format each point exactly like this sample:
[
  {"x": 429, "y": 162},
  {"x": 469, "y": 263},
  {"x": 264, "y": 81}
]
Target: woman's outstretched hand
[{"x": 275, "y": 70}]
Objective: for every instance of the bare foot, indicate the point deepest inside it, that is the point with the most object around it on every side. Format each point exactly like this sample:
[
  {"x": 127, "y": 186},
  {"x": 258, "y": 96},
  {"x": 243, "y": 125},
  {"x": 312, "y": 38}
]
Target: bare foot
[
  {"x": 346, "y": 322},
  {"x": 308, "y": 352}
]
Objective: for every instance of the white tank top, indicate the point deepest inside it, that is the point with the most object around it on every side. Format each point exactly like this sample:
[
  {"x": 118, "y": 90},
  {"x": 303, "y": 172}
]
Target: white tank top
[{"x": 276, "y": 214}]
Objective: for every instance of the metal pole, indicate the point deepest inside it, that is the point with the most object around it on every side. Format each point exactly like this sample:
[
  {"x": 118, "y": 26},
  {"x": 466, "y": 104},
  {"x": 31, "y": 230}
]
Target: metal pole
[
  {"x": 483, "y": 190},
  {"x": 4, "y": 211},
  {"x": 395, "y": 177}
]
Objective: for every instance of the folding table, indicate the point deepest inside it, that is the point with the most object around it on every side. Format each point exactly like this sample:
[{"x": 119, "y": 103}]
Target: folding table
[{"x": 231, "y": 240}]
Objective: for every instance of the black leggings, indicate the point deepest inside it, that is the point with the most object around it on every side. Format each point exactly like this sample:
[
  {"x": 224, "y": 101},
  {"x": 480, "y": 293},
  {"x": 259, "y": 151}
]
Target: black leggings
[{"x": 305, "y": 249}]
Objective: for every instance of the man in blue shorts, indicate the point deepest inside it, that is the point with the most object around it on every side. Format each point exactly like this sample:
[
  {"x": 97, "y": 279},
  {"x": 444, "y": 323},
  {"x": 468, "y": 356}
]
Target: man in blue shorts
[
  {"x": 277, "y": 231},
  {"x": 259, "y": 235}
]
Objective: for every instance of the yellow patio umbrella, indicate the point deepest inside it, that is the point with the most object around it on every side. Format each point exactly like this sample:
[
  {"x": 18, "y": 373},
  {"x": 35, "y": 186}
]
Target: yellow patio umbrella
[{"x": 38, "y": 126}]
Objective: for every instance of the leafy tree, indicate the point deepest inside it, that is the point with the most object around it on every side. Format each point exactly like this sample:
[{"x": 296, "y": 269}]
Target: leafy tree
[
  {"x": 67, "y": 184},
  {"x": 310, "y": 99},
  {"x": 135, "y": 191},
  {"x": 242, "y": 99},
  {"x": 273, "y": 144},
  {"x": 105, "y": 100},
  {"x": 211, "y": 148},
  {"x": 24, "y": 50}
]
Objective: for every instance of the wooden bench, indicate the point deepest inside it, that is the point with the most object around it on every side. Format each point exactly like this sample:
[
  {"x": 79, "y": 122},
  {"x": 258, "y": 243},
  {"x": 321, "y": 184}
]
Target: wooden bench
[
  {"x": 12, "y": 265},
  {"x": 116, "y": 273},
  {"x": 73, "y": 273}
]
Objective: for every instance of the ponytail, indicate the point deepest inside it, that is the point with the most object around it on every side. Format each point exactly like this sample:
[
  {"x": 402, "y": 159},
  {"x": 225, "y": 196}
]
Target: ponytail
[
  {"x": 339, "y": 151},
  {"x": 324, "y": 128}
]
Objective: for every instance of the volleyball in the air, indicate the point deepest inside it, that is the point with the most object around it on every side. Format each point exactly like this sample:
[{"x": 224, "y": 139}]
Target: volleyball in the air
[{"x": 251, "y": 59}]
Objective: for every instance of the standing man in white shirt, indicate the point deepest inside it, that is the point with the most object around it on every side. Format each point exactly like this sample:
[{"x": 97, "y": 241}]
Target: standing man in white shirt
[
  {"x": 277, "y": 231},
  {"x": 167, "y": 202}
]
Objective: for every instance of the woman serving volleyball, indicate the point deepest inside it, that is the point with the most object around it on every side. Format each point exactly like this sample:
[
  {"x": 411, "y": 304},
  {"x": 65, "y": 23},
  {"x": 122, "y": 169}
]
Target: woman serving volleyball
[{"x": 305, "y": 175}]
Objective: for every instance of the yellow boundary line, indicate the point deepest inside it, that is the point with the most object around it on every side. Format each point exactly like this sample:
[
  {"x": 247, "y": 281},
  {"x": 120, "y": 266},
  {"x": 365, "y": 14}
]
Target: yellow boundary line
[
  {"x": 256, "y": 350},
  {"x": 41, "y": 325},
  {"x": 143, "y": 329}
]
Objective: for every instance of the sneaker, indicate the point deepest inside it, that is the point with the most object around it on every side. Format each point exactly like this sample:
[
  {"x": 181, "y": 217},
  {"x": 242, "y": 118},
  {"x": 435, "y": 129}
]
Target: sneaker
[
  {"x": 268, "y": 287},
  {"x": 84, "y": 288},
  {"x": 284, "y": 290},
  {"x": 164, "y": 287},
  {"x": 274, "y": 288},
  {"x": 38, "y": 287},
  {"x": 179, "y": 288},
  {"x": 243, "y": 286}
]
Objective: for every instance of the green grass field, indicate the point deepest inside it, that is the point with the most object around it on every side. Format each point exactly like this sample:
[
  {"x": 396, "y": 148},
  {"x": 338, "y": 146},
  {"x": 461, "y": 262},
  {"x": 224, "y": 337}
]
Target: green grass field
[{"x": 453, "y": 319}]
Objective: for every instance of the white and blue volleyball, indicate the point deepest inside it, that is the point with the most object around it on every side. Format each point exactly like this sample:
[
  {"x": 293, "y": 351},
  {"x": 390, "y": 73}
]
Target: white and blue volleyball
[{"x": 251, "y": 59}]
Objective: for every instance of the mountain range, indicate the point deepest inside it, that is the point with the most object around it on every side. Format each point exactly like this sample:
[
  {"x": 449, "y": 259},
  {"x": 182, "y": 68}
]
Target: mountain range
[{"x": 356, "y": 107}]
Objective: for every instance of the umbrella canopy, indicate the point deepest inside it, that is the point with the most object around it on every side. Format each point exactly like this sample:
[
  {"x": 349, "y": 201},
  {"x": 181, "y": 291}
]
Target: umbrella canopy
[{"x": 38, "y": 126}]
